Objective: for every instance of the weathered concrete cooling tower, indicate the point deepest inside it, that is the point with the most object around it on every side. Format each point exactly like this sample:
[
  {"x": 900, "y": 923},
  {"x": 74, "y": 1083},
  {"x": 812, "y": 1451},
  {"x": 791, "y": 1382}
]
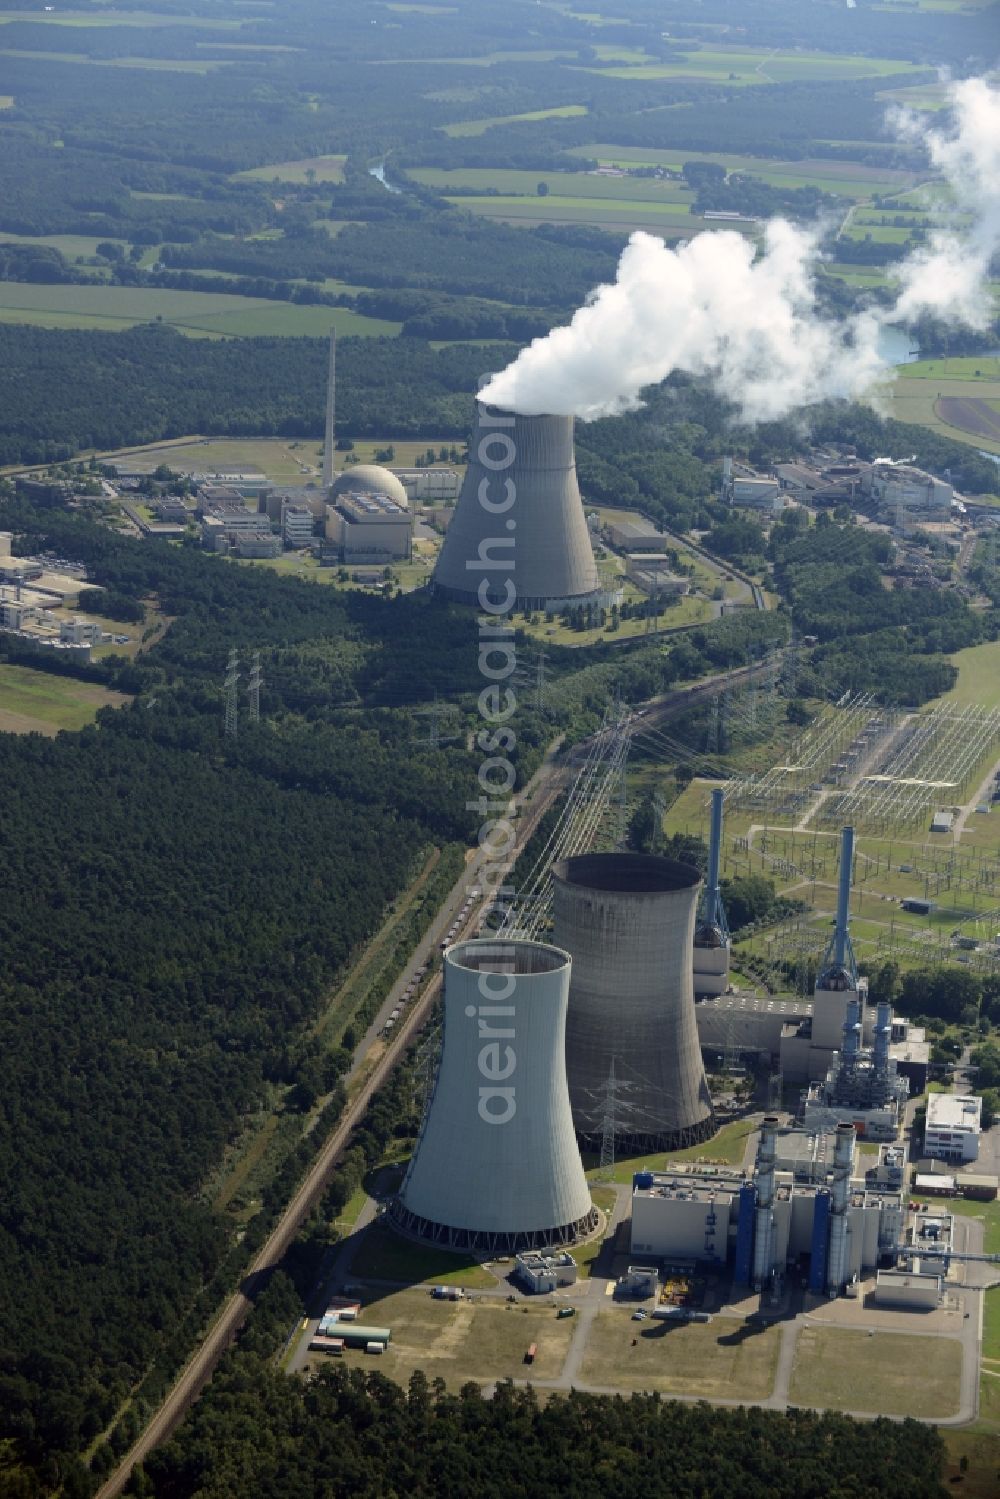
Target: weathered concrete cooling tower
[
  {"x": 628, "y": 922},
  {"x": 519, "y": 523},
  {"x": 496, "y": 1166}
]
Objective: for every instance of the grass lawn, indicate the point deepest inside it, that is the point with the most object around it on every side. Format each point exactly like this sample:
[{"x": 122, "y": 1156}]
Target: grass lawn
[
  {"x": 385, "y": 1255},
  {"x": 575, "y": 187},
  {"x": 557, "y": 210},
  {"x": 111, "y": 17},
  {"x": 156, "y": 64},
  {"x": 70, "y": 245},
  {"x": 462, "y": 1341},
  {"x": 981, "y": 1478},
  {"x": 722, "y": 1357},
  {"x": 40, "y": 702},
  {"x": 891, "y": 1374},
  {"x": 198, "y": 312},
  {"x": 727, "y": 1147}
]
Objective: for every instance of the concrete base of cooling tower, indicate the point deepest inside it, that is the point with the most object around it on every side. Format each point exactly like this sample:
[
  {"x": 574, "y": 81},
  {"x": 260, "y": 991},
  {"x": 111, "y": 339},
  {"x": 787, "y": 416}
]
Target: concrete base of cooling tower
[{"x": 489, "y": 1241}]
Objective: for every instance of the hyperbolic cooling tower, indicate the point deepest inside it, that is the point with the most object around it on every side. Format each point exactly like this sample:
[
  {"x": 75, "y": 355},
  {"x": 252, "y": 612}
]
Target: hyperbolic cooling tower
[
  {"x": 628, "y": 922},
  {"x": 496, "y": 1166},
  {"x": 519, "y": 517}
]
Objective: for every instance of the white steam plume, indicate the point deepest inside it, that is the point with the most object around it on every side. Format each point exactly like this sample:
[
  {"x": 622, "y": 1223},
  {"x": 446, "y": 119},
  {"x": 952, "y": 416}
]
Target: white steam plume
[
  {"x": 751, "y": 324},
  {"x": 947, "y": 277}
]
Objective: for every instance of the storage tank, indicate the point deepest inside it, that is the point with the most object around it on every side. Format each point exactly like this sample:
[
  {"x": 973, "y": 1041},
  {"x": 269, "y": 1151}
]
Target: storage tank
[
  {"x": 628, "y": 921},
  {"x": 518, "y": 530},
  {"x": 496, "y": 1166}
]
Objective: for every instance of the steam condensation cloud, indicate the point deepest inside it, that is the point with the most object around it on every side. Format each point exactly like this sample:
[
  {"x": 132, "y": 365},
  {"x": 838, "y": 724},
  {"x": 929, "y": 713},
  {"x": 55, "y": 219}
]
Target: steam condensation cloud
[
  {"x": 948, "y": 276},
  {"x": 751, "y": 324}
]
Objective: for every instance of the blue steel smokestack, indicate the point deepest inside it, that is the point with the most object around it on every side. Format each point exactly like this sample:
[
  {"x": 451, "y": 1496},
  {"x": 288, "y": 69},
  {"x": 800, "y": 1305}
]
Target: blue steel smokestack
[
  {"x": 839, "y": 969},
  {"x": 842, "y": 940},
  {"x": 713, "y": 911}
]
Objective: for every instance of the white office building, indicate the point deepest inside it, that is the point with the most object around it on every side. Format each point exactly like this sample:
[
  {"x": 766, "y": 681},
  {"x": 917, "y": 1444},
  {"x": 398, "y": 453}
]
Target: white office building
[{"x": 954, "y": 1124}]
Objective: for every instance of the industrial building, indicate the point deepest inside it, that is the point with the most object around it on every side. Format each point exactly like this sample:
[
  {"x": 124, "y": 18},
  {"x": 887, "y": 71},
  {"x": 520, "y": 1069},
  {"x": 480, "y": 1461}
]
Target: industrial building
[
  {"x": 541, "y": 1273},
  {"x": 711, "y": 933},
  {"x": 906, "y": 493},
  {"x": 637, "y": 537},
  {"x": 953, "y": 1126},
  {"x": 297, "y": 525},
  {"x": 496, "y": 1166},
  {"x": 862, "y": 1086},
  {"x": 429, "y": 484},
  {"x": 748, "y": 491},
  {"x": 631, "y": 1039},
  {"x": 801, "y": 1206},
  {"x": 518, "y": 532},
  {"x": 650, "y": 571},
  {"x": 368, "y": 517}
]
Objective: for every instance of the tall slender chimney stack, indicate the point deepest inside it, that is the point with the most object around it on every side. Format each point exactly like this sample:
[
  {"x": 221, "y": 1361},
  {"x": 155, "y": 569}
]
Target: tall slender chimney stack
[{"x": 330, "y": 438}]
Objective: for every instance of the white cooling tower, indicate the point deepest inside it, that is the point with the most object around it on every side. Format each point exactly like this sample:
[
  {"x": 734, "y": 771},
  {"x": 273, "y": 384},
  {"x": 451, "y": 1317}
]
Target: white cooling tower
[
  {"x": 628, "y": 922},
  {"x": 496, "y": 1166},
  {"x": 519, "y": 527}
]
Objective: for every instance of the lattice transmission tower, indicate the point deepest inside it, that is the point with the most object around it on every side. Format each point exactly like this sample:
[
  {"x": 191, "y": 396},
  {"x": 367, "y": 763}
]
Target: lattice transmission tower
[{"x": 232, "y": 688}]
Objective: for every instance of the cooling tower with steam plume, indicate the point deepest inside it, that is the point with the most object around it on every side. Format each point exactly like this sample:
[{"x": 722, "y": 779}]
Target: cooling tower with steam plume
[
  {"x": 496, "y": 1166},
  {"x": 628, "y": 922},
  {"x": 518, "y": 531}
]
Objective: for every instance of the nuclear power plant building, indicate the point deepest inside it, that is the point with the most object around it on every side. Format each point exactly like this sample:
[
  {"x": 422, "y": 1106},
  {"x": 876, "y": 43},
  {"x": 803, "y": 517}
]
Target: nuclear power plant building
[
  {"x": 632, "y": 1051},
  {"x": 519, "y": 518},
  {"x": 368, "y": 516},
  {"x": 496, "y": 1166}
]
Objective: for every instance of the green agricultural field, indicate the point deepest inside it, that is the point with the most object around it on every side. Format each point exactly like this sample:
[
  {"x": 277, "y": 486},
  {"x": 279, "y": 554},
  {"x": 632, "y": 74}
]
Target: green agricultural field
[
  {"x": 883, "y": 234},
  {"x": 70, "y": 245},
  {"x": 890, "y": 1374},
  {"x": 553, "y": 210},
  {"x": 322, "y": 168},
  {"x": 479, "y": 127},
  {"x": 38, "y": 702},
  {"x": 977, "y": 367},
  {"x": 575, "y": 186},
  {"x": 978, "y": 676},
  {"x": 847, "y": 178},
  {"x": 919, "y": 399},
  {"x": 748, "y": 66},
  {"x": 854, "y": 276},
  {"x": 111, "y": 17},
  {"x": 725, "y": 1357},
  {"x": 191, "y": 312},
  {"x": 6, "y": 101},
  {"x": 156, "y": 64}
]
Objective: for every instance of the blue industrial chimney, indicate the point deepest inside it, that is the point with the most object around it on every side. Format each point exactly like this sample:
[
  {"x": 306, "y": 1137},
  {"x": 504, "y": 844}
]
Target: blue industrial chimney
[
  {"x": 713, "y": 913},
  {"x": 839, "y": 969}
]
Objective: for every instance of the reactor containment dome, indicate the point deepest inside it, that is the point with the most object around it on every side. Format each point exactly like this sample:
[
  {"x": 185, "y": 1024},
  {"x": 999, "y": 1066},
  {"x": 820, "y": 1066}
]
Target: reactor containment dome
[
  {"x": 369, "y": 478},
  {"x": 632, "y": 1053},
  {"x": 519, "y": 531},
  {"x": 496, "y": 1166}
]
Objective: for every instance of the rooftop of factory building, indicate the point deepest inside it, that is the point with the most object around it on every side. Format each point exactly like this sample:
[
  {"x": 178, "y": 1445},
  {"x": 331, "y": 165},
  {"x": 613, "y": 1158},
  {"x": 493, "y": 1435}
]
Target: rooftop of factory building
[
  {"x": 362, "y": 505},
  {"x": 954, "y": 1111},
  {"x": 745, "y": 1002},
  {"x": 538, "y": 1259},
  {"x": 693, "y": 1186}
]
